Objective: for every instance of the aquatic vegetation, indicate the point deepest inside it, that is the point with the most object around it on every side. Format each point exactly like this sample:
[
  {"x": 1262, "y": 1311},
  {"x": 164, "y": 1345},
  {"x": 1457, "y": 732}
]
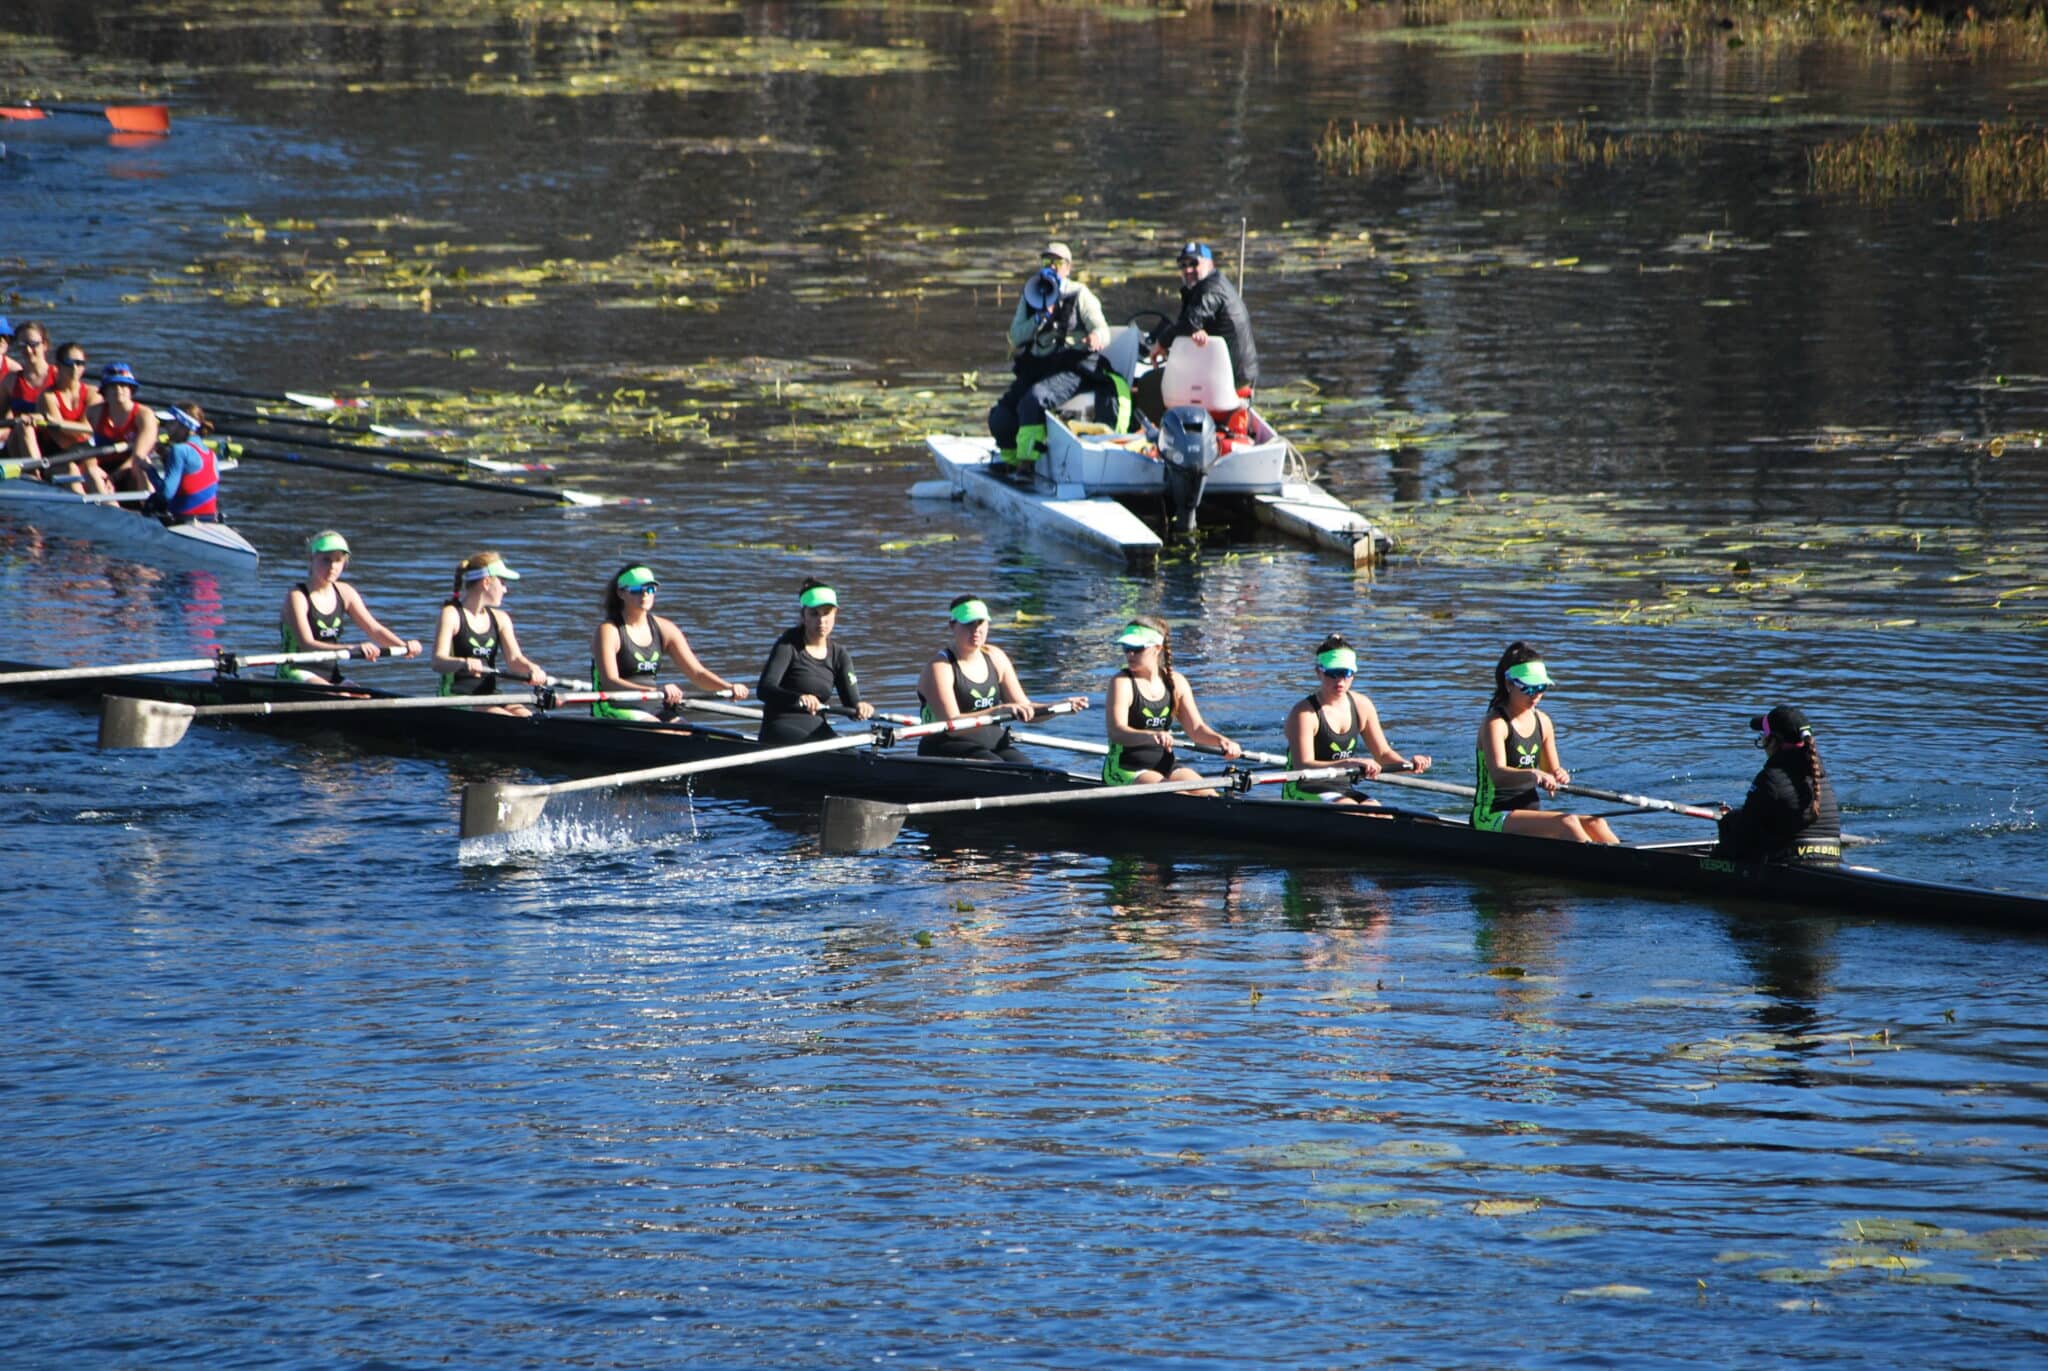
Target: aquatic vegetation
[
  {"x": 1642, "y": 565},
  {"x": 1468, "y": 146},
  {"x": 2003, "y": 169}
]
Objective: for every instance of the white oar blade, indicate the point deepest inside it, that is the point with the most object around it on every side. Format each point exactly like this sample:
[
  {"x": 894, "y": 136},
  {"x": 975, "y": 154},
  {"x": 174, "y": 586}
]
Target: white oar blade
[
  {"x": 852, "y": 825},
  {"x": 128, "y": 722},
  {"x": 312, "y": 401},
  {"x": 490, "y": 807}
]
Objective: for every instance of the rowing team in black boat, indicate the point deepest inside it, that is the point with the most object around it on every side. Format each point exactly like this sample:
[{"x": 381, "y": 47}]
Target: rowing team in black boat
[{"x": 1790, "y": 812}]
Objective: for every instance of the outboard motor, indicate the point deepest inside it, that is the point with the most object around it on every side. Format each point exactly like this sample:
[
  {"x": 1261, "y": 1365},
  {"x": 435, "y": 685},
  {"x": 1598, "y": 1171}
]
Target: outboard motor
[{"x": 1188, "y": 450}]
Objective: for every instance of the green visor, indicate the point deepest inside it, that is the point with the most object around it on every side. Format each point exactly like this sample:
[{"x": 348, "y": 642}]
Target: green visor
[
  {"x": 497, "y": 569},
  {"x": 327, "y": 541},
  {"x": 1139, "y": 635},
  {"x": 818, "y": 597},
  {"x": 1338, "y": 659},
  {"x": 636, "y": 578},
  {"x": 969, "y": 612},
  {"x": 1528, "y": 674}
]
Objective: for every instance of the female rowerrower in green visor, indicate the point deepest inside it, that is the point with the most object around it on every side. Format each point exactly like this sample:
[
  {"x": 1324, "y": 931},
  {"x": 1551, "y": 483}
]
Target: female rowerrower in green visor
[
  {"x": 1517, "y": 758},
  {"x": 970, "y": 676},
  {"x": 473, "y": 638},
  {"x": 1145, "y": 700},
  {"x": 316, "y": 608},
  {"x": 1337, "y": 726},
  {"x": 803, "y": 670},
  {"x": 628, "y": 648}
]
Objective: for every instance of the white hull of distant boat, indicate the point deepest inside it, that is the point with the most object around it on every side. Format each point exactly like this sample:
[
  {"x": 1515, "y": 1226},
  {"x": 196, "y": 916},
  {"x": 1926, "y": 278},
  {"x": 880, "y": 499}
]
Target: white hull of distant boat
[
  {"x": 134, "y": 535},
  {"x": 1093, "y": 484}
]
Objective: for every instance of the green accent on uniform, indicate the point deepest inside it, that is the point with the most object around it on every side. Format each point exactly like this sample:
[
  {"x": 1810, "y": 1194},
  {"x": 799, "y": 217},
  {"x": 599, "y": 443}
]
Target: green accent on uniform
[
  {"x": 1338, "y": 659},
  {"x": 326, "y": 541},
  {"x": 634, "y": 577},
  {"x": 972, "y": 612},
  {"x": 1140, "y": 635},
  {"x": 1528, "y": 674},
  {"x": 1485, "y": 817},
  {"x": 1113, "y": 771},
  {"x": 818, "y": 597}
]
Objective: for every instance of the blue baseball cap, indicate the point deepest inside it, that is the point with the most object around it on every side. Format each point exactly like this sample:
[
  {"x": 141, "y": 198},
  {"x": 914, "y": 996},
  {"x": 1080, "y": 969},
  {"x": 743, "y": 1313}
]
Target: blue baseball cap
[
  {"x": 1197, "y": 252},
  {"x": 118, "y": 374},
  {"x": 6, "y": 327}
]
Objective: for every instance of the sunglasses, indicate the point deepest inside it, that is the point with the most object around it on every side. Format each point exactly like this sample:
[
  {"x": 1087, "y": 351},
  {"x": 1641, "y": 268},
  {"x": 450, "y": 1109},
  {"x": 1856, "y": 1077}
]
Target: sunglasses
[
  {"x": 33, "y": 342},
  {"x": 640, "y": 590},
  {"x": 1340, "y": 674},
  {"x": 1527, "y": 689},
  {"x": 70, "y": 361}
]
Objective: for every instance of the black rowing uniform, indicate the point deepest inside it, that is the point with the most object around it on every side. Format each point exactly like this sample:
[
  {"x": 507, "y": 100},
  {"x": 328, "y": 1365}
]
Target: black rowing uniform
[
  {"x": 987, "y": 743},
  {"x": 1147, "y": 715},
  {"x": 482, "y": 645},
  {"x": 791, "y": 673},
  {"x": 1331, "y": 745},
  {"x": 1772, "y": 822}
]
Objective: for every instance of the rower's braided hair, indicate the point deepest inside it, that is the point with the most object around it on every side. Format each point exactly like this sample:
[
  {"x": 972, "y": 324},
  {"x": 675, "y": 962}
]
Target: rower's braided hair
[
  {"x": 1158, "y": 625},
  {"x": 1809, "y": 753},
  {"x": 1517, "y": 653}
]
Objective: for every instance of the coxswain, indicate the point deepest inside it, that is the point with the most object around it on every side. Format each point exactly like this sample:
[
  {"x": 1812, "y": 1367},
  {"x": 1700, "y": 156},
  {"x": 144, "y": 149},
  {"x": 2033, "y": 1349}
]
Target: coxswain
[
  {"x": 1518, "y": 760},
  {"x": 804, "y": 669},
  {"x": 1337, "y": 726},
  {"x": 1057, "y": 334},
  {"x": 473, "y": 639},
  {"x": 118, "y": 418},
  {"x": 1210, "y": 307},
  {"x": 1790, "y": 814},
  {"x": 316, "y": 608},
  {"x": 23, "y": 387},
  {"x": 187, "y": 489},
  {"x": 627, "y": 651},
  {"x": 62, "y": 425},
  {"x": 973, "y": 676},
  {"x": 1146, "y": 699}
]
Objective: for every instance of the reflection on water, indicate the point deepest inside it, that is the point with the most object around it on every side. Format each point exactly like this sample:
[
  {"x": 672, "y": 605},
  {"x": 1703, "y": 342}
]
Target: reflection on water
[{"x": 671, "y": 1087}]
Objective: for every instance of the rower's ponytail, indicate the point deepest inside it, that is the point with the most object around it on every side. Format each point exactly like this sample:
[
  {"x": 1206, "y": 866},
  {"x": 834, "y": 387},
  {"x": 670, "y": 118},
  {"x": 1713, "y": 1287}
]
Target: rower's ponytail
[
  {"x": 1517, "y": 653},
  {"x": 1810, "y": 754},
  {"x": 1158, "y": 625},
  {"x": 475, "y": 561}
]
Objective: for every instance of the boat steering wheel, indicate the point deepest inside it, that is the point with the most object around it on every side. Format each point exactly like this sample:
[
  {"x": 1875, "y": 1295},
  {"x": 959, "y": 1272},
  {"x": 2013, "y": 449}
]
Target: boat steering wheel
[{"x": 1149, "y": 337}]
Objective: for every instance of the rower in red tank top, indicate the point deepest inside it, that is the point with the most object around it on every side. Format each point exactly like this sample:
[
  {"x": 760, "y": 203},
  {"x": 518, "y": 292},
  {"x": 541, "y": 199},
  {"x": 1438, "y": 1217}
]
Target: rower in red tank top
[
  {"x": 63, "y": 425},
  {"x": 117, "y": 418},
  {"x": 23, "y": 389}
]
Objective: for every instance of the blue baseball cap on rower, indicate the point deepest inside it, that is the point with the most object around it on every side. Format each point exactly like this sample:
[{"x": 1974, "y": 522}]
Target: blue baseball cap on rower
[
  {"x": 118, "y": 374},
  {"x": 1197, "y": 252},
  {"x": 6, "y": 327}
]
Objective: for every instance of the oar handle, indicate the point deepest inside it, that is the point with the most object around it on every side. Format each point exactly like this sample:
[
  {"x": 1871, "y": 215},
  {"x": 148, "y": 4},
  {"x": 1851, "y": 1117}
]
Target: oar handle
[{"x": 1642, "y": 802}]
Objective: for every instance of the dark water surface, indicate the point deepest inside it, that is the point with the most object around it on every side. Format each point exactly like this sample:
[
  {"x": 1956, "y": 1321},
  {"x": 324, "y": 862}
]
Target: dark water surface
[{"x": 290, "y": 1079}]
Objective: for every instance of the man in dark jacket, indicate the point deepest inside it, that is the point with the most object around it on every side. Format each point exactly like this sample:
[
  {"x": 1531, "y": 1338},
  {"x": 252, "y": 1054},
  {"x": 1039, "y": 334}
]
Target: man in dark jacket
[{"x": 1210, "y": 307}]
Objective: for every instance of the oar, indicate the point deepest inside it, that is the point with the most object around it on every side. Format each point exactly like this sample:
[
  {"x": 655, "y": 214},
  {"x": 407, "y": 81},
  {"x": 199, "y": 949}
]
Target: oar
[
  {"x": 558, "y": 496},
  {"x": 500, "y": 807},
  {"x": 1386, "y": 777},
  {"x": 10, "y": 470},
  {"x": 368, "y": 449},
  {"x": 381, "y": 430},
  {"x": 224, "y": 662},
  {"x": 289, "y": 397},
  {"x": 853, "y": 825},
  {"x": 1643, "y": 802},
  {"x": 126, "y": 118},
  {"x": 126, "y": 721}
]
